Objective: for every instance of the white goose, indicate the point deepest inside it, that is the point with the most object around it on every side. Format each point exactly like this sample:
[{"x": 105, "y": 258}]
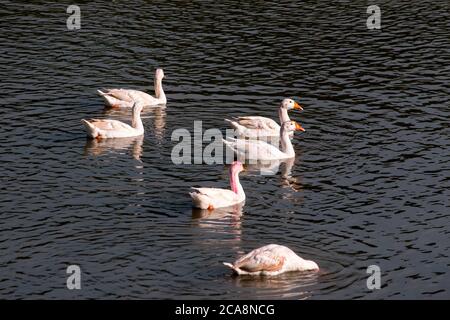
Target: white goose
[
  {"x": 123, "y": 98},
  {"x": 211, "y": 198},
  {"x": 108, "y": 128},
  {"x": 255, "y": 126},
  {"x": 261, "y": 150},
  {"x": 271, "y": 260}
]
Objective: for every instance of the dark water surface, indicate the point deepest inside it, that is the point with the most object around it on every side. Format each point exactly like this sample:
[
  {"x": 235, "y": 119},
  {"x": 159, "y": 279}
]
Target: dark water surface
[{"x": 370, "y": 183}]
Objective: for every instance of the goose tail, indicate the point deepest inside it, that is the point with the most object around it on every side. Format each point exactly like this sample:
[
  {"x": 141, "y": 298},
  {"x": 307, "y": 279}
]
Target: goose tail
[{"x": 110, "y": 101}]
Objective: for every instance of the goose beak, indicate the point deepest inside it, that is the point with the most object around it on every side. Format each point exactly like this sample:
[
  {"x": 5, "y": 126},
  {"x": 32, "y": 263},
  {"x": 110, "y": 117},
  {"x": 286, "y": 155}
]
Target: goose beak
[
  {"x": 298, "y": 127},
  {"x": 297, "y": 106}
]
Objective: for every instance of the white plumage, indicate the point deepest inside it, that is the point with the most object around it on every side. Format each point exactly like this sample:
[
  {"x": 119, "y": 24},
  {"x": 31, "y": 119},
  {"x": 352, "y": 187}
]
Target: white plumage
[
  {"x": 271, "y": 260},
  {"x": 211, "y": 198},
  {"x": 256, "y": 126},
  {"x": 108, "y": 128},
  {"x": 125, "y": 98},
  {"x": 261, "y": 150}
]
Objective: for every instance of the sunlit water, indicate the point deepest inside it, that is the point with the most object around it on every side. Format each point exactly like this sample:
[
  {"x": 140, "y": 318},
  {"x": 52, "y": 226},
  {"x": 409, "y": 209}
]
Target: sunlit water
[{"x": 369, "y": 185}]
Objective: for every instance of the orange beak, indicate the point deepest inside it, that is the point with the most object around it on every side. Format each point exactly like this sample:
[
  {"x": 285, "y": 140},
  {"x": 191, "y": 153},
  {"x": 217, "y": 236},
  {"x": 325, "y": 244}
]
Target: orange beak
[
  {"x": 298, "y": 127},
  {"x": 297, "y": 106}
]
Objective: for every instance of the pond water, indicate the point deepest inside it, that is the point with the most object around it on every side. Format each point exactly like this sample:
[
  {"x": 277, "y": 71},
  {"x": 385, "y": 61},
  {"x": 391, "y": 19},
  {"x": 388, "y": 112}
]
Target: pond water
[{"x": 369, "y": 184}]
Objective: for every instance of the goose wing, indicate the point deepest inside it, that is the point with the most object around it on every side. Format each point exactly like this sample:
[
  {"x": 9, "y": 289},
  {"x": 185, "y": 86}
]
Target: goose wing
[
  {"x": 109, "y": 124},
  {"x": 216, "y": 193},
  {"x": 261, "y": 259},
  {"x": 254, "y": 149},
  {"x": 121, "y": 94},
  {"x": 256, "y": 122},
  {"x": 130, "y": 95}
]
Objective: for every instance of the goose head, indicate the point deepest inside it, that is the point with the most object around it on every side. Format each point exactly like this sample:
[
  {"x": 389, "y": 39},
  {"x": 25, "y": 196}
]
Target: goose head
[
  {"x": 237, "y": 167},
  {"x": 290, "y": 126},
  {"x": 290, "y": 104},
  {"x": 159, "y": 74}
]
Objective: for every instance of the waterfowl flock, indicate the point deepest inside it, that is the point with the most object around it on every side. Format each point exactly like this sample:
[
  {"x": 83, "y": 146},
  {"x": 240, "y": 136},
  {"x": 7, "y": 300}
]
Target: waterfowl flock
[{"x": 251, "y": 132}]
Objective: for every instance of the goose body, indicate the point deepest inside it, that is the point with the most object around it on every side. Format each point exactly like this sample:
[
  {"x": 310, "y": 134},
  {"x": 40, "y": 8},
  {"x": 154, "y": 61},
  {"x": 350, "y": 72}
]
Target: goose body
[
  {"x": 271, "y": 260},
  {"x": 125, "y": 98},
  {"x": 257, "y": 126},
  {"x": 108, "y": 128},
  {"x": 211, "y": 198},
  {"x": 261, "y": 150}
]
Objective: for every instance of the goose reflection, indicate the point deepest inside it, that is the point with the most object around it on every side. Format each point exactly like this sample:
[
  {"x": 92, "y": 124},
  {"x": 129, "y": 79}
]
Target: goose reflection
[
  {"x": 225, "y": 220},
  {"x": 271, "y": 167},
  {"x": 96, "y": 147},
  {"x": 159, "y": 122},
  {"x": 294, "y": 285},
  {"x": 289, "y": 181},
  {"x": 234, "y": 212}
]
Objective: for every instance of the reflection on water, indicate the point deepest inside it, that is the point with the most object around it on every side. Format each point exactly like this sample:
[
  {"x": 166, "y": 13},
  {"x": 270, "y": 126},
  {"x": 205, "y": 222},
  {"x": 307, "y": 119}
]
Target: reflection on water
[
  {"x": 291, "y": 285},
  {"x": 234, "y": 212},
  {"x": 282, "y": 168},
  {"x": 294, "y": 182},
  {"x": 159, "y": 122},
  {"x": 225, "y": 220},
  {"x": 96, "y": 147},
  {"x": 270, "y": 167}
]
